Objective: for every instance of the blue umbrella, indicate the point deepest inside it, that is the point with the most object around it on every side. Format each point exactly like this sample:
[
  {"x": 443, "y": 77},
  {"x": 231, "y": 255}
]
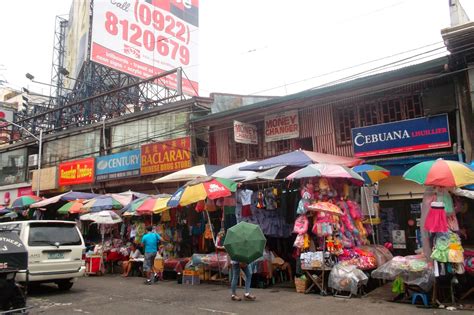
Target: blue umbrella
[
  {"x": 176, "y": 197},
  {"x": 470, "y": 187}
]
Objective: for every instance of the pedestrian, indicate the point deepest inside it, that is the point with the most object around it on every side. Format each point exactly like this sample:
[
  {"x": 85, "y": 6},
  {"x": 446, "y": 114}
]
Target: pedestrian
[
  {"x": 150, "y": 242},
  {"x": 235, "y": 273},
  {"x": 236, "y": 267}
]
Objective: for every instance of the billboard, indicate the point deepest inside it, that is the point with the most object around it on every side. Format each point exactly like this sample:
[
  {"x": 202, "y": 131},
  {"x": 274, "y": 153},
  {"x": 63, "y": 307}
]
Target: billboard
[
  {"x": 417, "y": 134},
  {"x": 77, "y": 39},
  {"x": 5, "y": 129},
  {"x": 120, "y": 165},
  {"x": 245, "y": 133},
  {"x": 76, "y": 172},
  {"x": 166, "y": 156},
  {"x": 146, "y": 38},
  {"x": 282, "y": 126}
]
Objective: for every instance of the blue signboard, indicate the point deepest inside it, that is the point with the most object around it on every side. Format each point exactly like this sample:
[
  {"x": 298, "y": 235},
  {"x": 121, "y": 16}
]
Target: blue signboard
[
  {"x": 120, "y": 165},
  {"x": 417, "y": 134}
]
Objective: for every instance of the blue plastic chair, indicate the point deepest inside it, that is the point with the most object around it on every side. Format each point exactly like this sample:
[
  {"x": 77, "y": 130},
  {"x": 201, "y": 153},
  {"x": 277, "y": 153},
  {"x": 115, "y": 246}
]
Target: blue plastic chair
[{"x": 424, "y": 298}]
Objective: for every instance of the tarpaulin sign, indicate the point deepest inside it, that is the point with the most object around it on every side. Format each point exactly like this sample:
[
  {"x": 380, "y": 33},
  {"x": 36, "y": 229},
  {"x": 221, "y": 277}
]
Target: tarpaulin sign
[
  {"x": 76, "y": 172},
  {"x": 245, "y": 133},
  {"x": 417, "y": 134}
]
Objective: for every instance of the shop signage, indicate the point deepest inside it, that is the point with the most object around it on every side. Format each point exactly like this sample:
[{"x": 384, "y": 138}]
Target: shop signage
[
  {"x": 417, "y": 134},
  {"x": 282, "y": 126},
  {"x": 7, "y": 196},
  {"x": 120, "y": 165},
  {"x": 245, "y": 133},
  {"x": 166, "y": 156},
  {"x": 76, "y": 172},
  {"x": 145, "y": 38}
]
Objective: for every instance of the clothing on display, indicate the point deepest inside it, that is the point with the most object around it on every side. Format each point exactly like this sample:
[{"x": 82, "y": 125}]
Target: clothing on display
[{"x": 436, "y": 220}]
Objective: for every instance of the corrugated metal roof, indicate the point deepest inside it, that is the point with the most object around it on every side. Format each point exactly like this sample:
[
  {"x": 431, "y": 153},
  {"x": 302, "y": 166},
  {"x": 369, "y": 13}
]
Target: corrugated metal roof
[{"x": 380, "y": 78}]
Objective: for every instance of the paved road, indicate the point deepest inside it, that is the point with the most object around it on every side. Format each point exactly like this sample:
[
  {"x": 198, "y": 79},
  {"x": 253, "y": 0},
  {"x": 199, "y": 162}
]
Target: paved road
[{"x": 117, "y": 295}]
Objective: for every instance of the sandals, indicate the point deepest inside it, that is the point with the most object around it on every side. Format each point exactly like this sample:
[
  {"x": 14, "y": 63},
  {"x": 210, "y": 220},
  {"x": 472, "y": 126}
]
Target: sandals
[
  {"x": 249, "y": 297},
  {"x": 236, "y": 298}
]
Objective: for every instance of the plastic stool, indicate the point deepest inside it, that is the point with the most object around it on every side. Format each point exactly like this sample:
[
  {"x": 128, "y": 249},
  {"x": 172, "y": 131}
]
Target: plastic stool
[{"x": 423, "y": 296}]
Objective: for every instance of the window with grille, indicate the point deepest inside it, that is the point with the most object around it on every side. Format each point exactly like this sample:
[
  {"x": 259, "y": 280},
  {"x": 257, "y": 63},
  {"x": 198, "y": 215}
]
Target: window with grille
[
  {"x": 345, "y": 121},
  {"x": 374, "y": 112}
]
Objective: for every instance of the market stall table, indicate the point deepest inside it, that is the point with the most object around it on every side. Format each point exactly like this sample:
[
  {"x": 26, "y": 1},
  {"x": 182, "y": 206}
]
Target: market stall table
[{"x": 317, "y": 276}]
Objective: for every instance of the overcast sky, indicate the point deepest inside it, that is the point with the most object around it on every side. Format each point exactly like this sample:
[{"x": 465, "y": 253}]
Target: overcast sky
[{"x": 262, "y": 47}]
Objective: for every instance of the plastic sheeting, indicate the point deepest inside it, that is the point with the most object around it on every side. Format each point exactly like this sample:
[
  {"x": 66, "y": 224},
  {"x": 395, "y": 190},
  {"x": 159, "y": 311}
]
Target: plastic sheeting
[
  {"x": 346, "y": 278},
  {"x": 414, "y": 270}
]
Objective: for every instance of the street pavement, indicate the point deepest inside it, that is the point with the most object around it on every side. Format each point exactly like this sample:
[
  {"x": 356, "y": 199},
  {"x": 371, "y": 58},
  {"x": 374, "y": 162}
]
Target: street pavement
[{"x": 118, "y": 295}]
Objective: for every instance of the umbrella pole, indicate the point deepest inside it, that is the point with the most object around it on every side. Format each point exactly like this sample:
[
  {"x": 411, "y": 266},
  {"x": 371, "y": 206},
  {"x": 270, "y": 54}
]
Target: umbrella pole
[
  {"x": 370, "y": 216},
  {"x": 102, "y": 232}
]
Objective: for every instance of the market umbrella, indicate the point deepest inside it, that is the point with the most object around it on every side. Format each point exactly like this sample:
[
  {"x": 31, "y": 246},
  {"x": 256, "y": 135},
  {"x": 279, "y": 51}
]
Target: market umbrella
[
  {"x": 245, "y": 242},
  {"x": 270, "y": 174},
  {"x": 24, "y": 202},
  {"x": 327, "y": 171},
  {"x": 102, "y": 217},
  {"x": 301, "y": 158},
  {"x": 443, "y": 173},
  {"x": 371, "y": 173},
  {"x": 72, "y": 207},
  {"x": 233, "y": 171},
  {"x": 69, "y": 196},
  {"x": 102, "y": 203},
  {"x": 325, "y": 206},
  {"x": 126, "y": 197},
  {"x": 188, "y": 174},
  {"x": 153, "y": 204},
  {"x": 200, "y": 189}
]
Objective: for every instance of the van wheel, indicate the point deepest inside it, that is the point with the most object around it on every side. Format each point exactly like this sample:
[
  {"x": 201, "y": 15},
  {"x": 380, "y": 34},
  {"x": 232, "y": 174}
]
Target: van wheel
[{"x": 65, "y": 285}]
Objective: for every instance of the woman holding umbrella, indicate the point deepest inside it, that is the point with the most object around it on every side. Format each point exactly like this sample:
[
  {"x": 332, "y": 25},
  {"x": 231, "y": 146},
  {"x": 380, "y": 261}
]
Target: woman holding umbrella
[
  {"x": 244, "y": 243},
  {"x": 236, "y": 267}
]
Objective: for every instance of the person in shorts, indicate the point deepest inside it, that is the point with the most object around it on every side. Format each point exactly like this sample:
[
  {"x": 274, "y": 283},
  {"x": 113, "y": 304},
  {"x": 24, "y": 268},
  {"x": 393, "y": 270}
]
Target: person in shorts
[{"x": 150, "y": 243}]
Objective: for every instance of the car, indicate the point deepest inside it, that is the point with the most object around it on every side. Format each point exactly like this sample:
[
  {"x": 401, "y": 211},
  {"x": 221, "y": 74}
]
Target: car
[{"x": 55, "y": 251}]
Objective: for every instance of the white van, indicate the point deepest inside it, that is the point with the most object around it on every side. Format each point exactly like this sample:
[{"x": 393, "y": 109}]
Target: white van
[{"x": 55, "y": 251}]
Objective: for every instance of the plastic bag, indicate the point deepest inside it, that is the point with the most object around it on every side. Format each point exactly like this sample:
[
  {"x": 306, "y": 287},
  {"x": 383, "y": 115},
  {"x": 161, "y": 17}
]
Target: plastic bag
[
  {"x": 346, "y": 278},
  {"x": 398, "y": 286}
]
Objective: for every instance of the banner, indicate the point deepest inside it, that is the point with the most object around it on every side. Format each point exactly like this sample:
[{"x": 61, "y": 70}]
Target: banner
[
  {"x": 5, "y": 128},
  {"x": 120, "y": 165},
  {"x": 146, "y": 38},
  {"x": 166, "y": 156},
  {"x": 417, "y": 134},
  {"x": 76, "y": 172},
  {"x": 245, "y": 133},
  {"x": 282, "y": 126}
]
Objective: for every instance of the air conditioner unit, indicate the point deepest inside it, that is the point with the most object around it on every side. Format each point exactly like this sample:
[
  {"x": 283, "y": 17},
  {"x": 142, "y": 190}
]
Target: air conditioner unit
[{"x": 32, "y": 160}]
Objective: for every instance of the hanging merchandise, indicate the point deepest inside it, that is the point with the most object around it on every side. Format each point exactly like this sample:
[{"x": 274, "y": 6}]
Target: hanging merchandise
[
  {"x": 210, "y": 205},
  {"x": 260, "y": 200},
  {"x": 200, "y": 206},
  {"x": 301, "y": 225},
  {"x": 245, "y": 197},
  {"x": 165, "y": 216},
  {"x": 299, "y": 241},
  {"x": 436, "y": 220}
]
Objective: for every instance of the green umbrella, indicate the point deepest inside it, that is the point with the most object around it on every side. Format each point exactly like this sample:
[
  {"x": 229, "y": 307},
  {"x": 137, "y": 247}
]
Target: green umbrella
[{"x": 245, "y": 242}]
